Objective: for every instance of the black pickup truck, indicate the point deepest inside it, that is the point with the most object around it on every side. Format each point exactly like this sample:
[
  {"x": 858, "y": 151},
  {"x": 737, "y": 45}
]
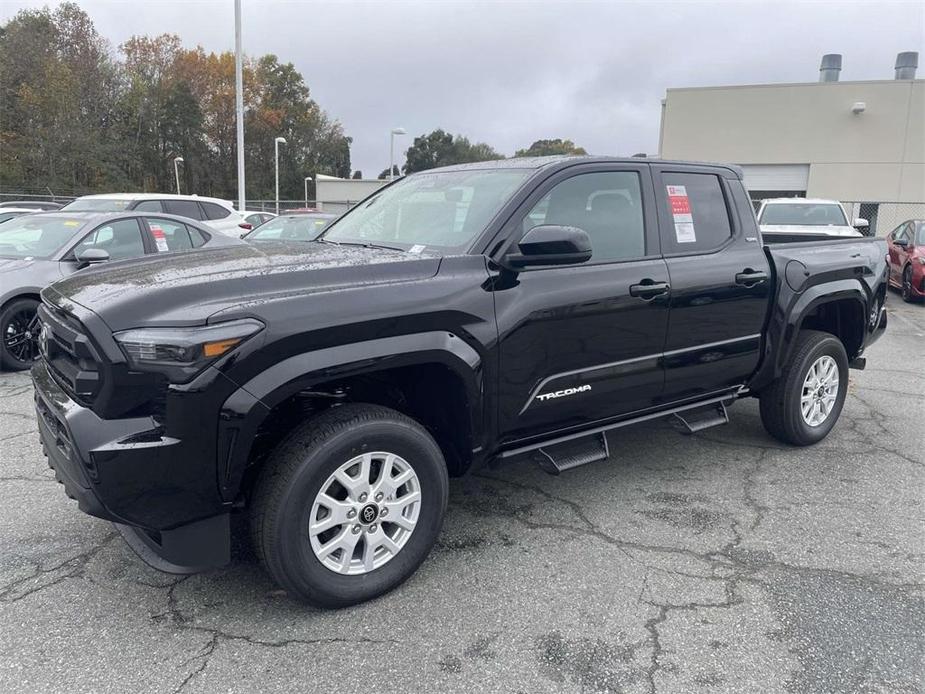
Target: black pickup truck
[{"x": 456, "y": 318}]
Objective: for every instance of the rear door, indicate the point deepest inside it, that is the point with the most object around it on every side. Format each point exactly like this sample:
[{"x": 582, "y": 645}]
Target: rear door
[
  {"x": 582, "y": 343},
  {"x": 720, "y": 280}
]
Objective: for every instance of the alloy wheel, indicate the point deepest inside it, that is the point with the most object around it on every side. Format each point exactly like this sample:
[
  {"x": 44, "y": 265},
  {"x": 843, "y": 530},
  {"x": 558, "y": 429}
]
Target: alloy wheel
[
  {"x": 820, "y": 391},
  {"x": 18, "y": 337},
  {"x": 364, "y": 513}
]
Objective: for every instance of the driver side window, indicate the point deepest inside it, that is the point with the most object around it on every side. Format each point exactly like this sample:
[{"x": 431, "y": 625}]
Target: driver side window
[
  {"x": 121, "y": 239},
  {"x": 606, "y": 205}
]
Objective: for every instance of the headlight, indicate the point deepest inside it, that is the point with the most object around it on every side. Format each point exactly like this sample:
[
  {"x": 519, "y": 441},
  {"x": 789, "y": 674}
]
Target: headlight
[{"x": 181, "y": 353}]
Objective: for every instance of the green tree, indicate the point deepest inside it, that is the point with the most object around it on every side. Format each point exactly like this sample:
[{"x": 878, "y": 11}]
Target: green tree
[
  {"x": 546, "y": 148},
  {"x": 440, "y": 148},
  {"x": 384, "y": 174},
  {"x": 77, "y": 118},
  {"x": 357, "y": 175}
]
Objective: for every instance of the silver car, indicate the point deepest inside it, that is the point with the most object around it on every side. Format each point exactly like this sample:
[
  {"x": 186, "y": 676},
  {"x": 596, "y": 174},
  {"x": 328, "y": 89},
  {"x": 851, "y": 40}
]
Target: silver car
[{"x": 37, "y": 249}]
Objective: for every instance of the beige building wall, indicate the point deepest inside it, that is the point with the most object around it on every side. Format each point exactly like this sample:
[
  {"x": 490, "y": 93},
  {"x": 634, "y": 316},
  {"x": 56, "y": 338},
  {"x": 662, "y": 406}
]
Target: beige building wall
[
  {"x": 338, "y": 194},
  {"x": 876, "y": 155}
]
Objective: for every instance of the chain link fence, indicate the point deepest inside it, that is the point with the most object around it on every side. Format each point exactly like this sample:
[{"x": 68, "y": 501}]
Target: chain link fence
[{"x": 884, "y": 216}]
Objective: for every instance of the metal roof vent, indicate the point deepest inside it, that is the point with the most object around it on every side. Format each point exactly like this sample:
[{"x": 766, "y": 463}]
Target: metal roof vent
[
  {"x": 830, "y": 67},
  {"x": 906, "y": 63}
]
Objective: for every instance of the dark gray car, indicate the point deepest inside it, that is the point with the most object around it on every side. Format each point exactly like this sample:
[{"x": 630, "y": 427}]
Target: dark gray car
[{"x": 37, "y": 249}]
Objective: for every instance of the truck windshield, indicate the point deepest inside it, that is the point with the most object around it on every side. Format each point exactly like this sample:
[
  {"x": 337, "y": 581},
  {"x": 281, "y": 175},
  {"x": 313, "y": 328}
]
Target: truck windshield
[
  {"x": 441, "y": 210},
  {"x": 804, "y": 214},
  {"x": 97, "y": 205},
  {"x": 36, "y": 237}
]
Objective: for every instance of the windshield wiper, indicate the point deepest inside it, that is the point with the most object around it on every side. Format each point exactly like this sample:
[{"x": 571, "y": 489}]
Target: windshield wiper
[{"x": 367, "y": 244}]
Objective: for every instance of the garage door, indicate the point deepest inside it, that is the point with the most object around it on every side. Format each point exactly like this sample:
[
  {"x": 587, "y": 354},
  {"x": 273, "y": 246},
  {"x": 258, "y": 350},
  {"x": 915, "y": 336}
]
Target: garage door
[{"x": 771, "y": 177}]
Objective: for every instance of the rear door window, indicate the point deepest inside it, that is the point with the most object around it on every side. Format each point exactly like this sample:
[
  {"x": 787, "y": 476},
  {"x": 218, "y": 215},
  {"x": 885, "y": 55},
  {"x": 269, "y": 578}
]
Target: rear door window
[
  {"x": 184, "y": 208},
  {"x": 214, "y": 211},
  {"x": 169, "y": 235},
  {"x": 698, "y": 217}
]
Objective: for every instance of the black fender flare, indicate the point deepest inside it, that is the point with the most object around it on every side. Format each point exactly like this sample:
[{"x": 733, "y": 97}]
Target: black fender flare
[
  {"x": 245, "y": 410},
  {"x": 786, "y": 320}
]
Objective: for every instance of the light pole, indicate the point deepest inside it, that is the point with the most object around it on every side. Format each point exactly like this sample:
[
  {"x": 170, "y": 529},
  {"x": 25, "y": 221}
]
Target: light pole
[
  {"x": 395, "y": 131},
  {"x": 307, "y": 179},
  {"x": 276, "y": 143},
  {"x": 239, "y": 102},
  {"x": 176, "y": 172}
]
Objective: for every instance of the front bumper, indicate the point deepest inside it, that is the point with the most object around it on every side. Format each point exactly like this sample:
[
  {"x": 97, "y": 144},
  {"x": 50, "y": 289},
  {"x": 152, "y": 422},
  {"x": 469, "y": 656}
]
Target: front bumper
[
  {"x": 918, "y": 279},
  {"x": 128, "y": 472}
]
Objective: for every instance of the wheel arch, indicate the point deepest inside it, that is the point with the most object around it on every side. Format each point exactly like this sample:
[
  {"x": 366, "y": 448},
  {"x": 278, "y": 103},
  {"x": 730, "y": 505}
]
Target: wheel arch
[
  {"x": 33, "y": 294},
  {"x": 436, "y": 378},
  {"x": 840, "y": 308}
]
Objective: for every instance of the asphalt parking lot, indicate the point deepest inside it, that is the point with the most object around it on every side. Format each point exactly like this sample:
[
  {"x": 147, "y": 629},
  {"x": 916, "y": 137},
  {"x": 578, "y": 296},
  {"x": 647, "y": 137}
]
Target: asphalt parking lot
[{"x": 713, "y": 563}]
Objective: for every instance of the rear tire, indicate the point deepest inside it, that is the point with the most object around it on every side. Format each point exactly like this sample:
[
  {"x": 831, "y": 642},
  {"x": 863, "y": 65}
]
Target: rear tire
[
  {"x": 801, "y": 409},
  {"x": 307, "y": 468},
  {"x": 16, "y": 343}
]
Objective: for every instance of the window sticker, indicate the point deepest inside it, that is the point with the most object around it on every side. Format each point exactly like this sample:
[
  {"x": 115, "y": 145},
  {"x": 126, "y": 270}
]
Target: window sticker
[
  {"x": 71, "y": 223},
  {"x": 681, "y": 211},
  {"x": 160, "y": 239},
  {"x": 417, "y": 248}
]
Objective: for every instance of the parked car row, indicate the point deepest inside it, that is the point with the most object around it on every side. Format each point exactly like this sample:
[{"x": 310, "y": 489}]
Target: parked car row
[{"x": 38, "y": 247}]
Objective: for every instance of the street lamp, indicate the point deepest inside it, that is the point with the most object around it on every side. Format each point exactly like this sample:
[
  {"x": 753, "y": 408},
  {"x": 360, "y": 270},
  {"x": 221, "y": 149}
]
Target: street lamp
[
  {"x": 395, "y": 131},
  {"x": 276, "y": 143},
  {"x": 176, "y": 172},
  {"x": 307, "y": 179}
]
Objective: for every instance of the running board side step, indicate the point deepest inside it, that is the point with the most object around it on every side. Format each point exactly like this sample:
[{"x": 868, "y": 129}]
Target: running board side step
[
  {"x": 559, "y": 457},
  {"x": 702, "y": 418}
]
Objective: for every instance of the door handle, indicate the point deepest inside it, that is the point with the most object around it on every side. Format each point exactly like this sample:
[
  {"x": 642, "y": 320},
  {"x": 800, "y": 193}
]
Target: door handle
[
  {"x": 648, "y": 289},
  {"x": 750, "y": 278}
]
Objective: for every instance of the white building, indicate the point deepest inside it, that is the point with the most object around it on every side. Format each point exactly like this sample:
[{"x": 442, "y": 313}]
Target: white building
[
  {"x": 858, "y": 142},
  {"x": 334, "y": 194}
]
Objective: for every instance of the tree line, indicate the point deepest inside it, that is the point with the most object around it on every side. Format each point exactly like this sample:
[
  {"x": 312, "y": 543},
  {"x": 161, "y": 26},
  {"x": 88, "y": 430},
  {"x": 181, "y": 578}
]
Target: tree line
[{"x": 77, "y": 117}]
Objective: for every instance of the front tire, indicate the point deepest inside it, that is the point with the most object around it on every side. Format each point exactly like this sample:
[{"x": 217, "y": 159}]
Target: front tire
[
  {"x": 803, "y": 404},
  {"x": 16, "y": 342},
  {"x": 906, "y": 288},
  {"x": 349, "y": 505}
]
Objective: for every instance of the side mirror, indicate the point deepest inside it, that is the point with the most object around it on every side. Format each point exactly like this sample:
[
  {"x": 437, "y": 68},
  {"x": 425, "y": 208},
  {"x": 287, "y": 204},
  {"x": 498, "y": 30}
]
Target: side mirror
[
  {"x": 902, "y": 243},
  {"x": 91, "y": 256},
  {"x": 551, "y": 244},
  {"x": 860, "y": 222}
]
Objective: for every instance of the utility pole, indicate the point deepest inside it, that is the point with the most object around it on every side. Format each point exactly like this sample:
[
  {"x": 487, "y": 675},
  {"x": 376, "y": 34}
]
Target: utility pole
[{"x": 239, "y": 101}]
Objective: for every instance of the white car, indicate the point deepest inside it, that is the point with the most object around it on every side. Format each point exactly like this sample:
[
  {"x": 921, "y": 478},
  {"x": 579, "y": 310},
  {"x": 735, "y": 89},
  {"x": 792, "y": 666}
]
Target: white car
[
  {"x": 807, "y": 216},
  {"x": 215, "y": 213},
  {"x": 11, "y": 212},
  {"x": 257, "y": 217}
]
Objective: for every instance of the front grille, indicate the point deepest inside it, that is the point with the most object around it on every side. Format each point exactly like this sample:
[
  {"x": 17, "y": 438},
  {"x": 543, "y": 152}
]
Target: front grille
[{"x": 72, "y": 359}]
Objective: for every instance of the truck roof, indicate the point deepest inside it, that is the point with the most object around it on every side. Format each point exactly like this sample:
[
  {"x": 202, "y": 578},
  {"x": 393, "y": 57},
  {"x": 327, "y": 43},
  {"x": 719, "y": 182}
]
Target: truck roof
[
  {"x": 800, "y": 201},
  {"x": 561, "y": 161}
]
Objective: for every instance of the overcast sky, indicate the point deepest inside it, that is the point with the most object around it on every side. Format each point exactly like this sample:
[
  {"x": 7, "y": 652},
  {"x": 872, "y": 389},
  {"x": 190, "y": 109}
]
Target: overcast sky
[{"x": 509, "y": 73}]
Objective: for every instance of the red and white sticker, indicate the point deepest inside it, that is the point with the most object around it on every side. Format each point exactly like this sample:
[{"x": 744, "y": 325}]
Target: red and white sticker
[
  {"x": 681, "y": 211},
  {"x": 160, "y": 239}
]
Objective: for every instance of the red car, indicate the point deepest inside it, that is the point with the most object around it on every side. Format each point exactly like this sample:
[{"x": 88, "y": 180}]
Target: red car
[{"x": 907, "y": 259}]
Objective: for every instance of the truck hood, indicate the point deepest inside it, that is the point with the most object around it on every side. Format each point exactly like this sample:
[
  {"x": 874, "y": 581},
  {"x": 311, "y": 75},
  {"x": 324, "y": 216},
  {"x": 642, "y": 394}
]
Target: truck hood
[
  {"x": 187, "y": 288},
  {"x": 812, "y": 229}
]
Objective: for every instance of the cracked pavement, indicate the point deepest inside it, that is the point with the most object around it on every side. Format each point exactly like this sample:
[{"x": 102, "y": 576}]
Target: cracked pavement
[{"x": 719, "y": 562}]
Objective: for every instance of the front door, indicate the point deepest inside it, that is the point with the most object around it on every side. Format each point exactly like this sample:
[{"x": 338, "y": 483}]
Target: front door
[{"x": 582, "y": 343}]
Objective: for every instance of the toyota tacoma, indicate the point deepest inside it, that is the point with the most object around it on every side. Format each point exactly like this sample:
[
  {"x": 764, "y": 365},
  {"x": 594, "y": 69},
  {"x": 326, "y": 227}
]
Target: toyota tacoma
[{"x": 456, "y": 318}]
